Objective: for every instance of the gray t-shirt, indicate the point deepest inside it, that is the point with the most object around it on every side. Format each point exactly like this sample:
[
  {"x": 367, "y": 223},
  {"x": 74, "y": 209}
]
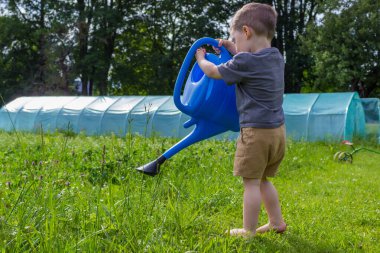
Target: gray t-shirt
[{"x": 259, "y": 79}]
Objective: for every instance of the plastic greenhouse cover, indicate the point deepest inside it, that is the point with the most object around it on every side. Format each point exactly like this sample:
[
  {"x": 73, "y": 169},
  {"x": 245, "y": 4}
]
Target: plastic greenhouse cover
[
  {"x": 333, "y": 115},
  {"x": 307, "y": 116},
  {"x": 371, "y": 109}
]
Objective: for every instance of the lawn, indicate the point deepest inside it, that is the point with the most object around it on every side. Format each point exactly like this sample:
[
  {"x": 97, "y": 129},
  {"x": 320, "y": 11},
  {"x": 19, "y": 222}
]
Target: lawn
[{"x": 71, "y": 193}]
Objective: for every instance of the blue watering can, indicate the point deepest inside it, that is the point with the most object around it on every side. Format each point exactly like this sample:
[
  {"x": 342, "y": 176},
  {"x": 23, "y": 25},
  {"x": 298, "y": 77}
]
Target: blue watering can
[{"x": 210, "y": 103}]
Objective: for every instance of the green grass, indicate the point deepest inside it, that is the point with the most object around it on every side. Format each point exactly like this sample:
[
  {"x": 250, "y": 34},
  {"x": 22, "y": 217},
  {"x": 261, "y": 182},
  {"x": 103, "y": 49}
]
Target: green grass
[{"x": 65, "y": 193}]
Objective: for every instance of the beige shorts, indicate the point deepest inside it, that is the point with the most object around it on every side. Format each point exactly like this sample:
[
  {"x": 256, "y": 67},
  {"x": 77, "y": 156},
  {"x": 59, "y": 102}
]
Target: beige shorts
[{"x": 259, "y": 152}]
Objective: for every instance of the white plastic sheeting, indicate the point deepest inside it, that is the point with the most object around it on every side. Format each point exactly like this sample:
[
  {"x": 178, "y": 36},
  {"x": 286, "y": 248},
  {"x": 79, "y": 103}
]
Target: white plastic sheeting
[
  {"x": 308, "y": 117},
  {"x": 96, "y": 115}
]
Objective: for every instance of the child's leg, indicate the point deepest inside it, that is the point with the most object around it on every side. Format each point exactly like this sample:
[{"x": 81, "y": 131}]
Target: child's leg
[
  {"x": 251, "y": 209},
  {"x": 252, "y": 202},
  {"x": 272, "y": 205}
]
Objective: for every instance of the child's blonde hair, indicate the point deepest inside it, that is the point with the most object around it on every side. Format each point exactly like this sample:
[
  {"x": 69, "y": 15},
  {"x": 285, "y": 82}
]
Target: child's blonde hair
[{"x": 261, "y": 18}]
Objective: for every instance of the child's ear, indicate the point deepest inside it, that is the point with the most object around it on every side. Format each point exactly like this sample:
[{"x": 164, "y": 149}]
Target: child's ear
[{"x": 247, "y": 31}]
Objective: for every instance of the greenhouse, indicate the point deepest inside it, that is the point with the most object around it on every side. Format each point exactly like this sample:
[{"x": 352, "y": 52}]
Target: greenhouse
[
  {"x": 309, "y": 117},
  {"x": 371, "y": 108},
  {"x": 336, "y": 116},
  {"x": 95, "y": 115}
]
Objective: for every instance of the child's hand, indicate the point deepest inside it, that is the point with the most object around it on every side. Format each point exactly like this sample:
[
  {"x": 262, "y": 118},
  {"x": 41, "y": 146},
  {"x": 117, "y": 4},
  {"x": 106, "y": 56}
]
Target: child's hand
[
  {"x": 209, "y": 68},
  {"x": 216, "y": 49},
  {"x": 229, "y": 45},
  {"x": 200, "y": 54}
]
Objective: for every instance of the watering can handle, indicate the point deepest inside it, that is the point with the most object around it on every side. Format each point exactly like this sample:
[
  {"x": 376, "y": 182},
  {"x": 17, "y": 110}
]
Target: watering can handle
[{"x": 186, "y": 64}]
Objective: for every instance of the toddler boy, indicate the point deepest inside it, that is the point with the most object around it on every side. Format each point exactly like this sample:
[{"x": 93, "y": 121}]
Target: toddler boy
[{"x": 257, "y": 69}]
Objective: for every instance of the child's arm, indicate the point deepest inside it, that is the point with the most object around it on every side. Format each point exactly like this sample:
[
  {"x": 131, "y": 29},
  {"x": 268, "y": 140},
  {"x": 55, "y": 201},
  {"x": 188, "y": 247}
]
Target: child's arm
[
  {"x": 229, "y": 45},
  {"x": 207, "y": 67}
]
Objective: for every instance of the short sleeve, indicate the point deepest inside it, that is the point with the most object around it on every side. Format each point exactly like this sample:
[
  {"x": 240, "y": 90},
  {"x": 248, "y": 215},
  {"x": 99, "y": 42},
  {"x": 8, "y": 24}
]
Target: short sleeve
[{"x": 234, "y": 70}]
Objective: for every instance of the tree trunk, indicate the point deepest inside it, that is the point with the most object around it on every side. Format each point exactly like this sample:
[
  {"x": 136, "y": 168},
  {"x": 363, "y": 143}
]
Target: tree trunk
[
  {"x": 40, "y": 76},
  {"x": 64, "y": 70},
  {"x": 293, "y": 16},
  {"x": 83, "y": 27},
  {"x": 90, "y": 87}
]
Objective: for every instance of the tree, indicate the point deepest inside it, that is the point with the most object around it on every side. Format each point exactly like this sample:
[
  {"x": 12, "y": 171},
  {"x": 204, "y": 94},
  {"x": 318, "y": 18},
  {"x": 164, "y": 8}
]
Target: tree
[
  {"x": 138, "y": 45},
  {"x": 84, "y": 20},
  {"x": 293, "y": 18},
  {"x": 46, "y": 46},
  {"x": 34, "y": 14},
  {"x": 99, "y": 24},
  {"x": 16, "y": 52},
  {"x": 345, "y": 48},
  {"x": 152, "y": 47}
]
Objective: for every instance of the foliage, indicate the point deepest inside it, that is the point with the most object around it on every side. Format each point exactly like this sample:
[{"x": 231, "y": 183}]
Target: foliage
[
  {"x": 293, "y": 18},
  {"x": 36, "y": 47},
  {"x": 345, "y": 48},
  {"x": 64, "y": 193},
  {"x": 136, "y": 47},
  {"x": 151, "y": 50},
  {"x": 99, "y": 24},
  {"x": 17, "y": 47},
  {"x": 155, "y": 49}
]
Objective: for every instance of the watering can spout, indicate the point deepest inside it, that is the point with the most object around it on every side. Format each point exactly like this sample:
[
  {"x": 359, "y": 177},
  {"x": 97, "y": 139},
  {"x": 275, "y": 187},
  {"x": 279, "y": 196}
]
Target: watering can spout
[
  {"x": 152, "y": 168},
  {"x": 203, "y": 130}
]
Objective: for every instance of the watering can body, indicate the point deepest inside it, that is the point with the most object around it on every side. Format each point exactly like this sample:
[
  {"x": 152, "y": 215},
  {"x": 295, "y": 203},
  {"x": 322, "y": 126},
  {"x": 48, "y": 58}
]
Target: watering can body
[
  {"x": 209, "y": 99},
  {"x": 210, "y": 103}
]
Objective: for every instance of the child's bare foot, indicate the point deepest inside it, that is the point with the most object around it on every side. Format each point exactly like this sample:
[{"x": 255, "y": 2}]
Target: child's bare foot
[
  {"x": 269, "y": 227},
  {"x": 240, "y": 232}
]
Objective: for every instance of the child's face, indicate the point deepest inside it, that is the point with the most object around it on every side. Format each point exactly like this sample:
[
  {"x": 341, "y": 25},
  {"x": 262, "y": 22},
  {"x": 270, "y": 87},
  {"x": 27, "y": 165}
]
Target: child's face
[{"x": 241, "y": 41}]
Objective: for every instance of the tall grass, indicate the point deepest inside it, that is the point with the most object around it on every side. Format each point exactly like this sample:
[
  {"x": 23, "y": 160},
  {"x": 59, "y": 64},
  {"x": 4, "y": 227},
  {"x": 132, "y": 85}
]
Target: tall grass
[{"x": 68, "y": 193}]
